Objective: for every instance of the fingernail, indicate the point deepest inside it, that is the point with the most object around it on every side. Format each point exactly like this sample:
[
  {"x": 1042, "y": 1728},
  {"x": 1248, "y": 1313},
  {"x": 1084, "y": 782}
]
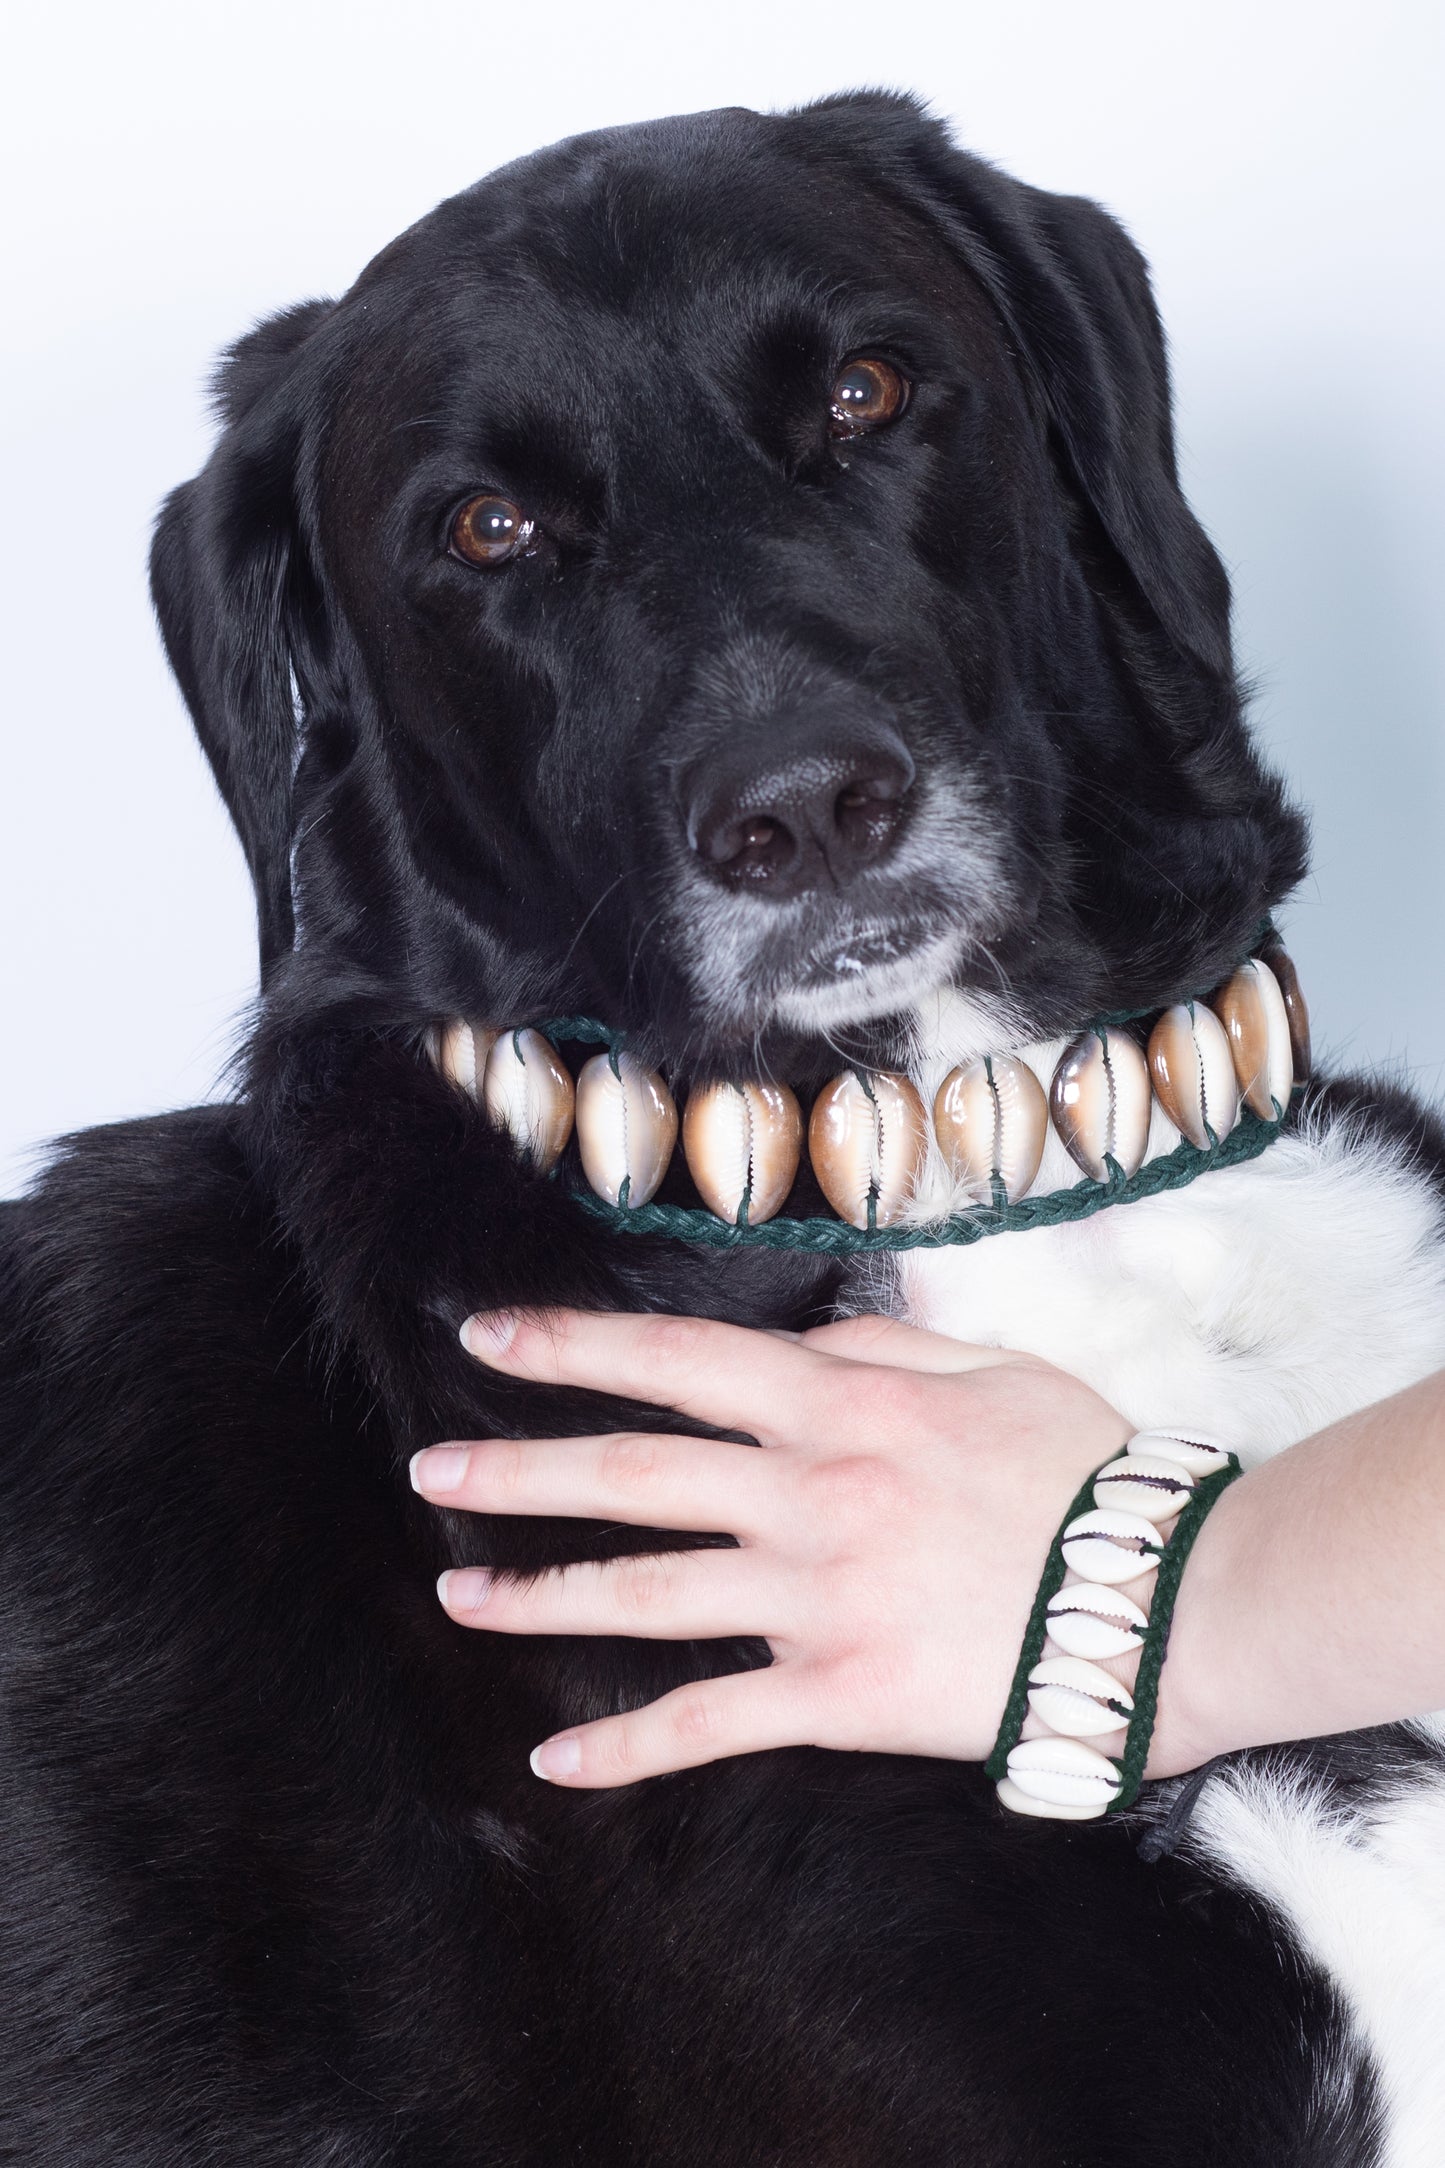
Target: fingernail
[
  {"x": 464, "y": 1589},
  {"x": 489, "y": 1333},
  {"x": 557, "y": 1758},
  {"x": 438, "y": 1468}
]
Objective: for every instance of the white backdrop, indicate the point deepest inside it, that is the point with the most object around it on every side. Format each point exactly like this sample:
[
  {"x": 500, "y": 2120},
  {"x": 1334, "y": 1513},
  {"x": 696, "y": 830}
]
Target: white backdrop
[{"x": 175, "y": 170}]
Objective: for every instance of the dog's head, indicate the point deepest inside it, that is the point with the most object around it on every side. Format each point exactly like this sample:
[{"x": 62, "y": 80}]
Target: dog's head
[{"x": 728, "y": 576}]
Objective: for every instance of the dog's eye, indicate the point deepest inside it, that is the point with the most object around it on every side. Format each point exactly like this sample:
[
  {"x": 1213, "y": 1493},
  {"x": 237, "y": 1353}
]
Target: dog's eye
[
  {"x": 866, "y": 395},
  {"x": 489, "y": 530}
]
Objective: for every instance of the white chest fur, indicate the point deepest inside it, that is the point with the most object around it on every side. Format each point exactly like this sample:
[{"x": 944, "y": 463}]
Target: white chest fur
[{"x": 1259, "y": 1304}]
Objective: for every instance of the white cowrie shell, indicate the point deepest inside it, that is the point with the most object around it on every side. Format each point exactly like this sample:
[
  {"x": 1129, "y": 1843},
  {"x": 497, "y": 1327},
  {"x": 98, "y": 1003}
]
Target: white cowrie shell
[
  {"x": 1251, "y": 1008},
  {"x": 626, "y": 1128},
  {"x": 1064, "y": 1773},
  {"x": 991, "y": 1119},
  {"x": 1157, "y": 1489},
  {"x": 867, "y": 1137},
  {"x": 1077, "y": 1699},
  {"x": 1109, "y": 1546},
  {"x": 1296, "y": 1008},
  {"x": 462, "y": 1051},
  {"x": 1085, "y": 1619},
  {"x": 1019, "y": 1802},
  {"x": 1201, "y": 1456},
  {"x": 1193, "y": 1072},
  {"x": 1100, "y": 1103},
  {"x": 527, "y": 1089},
  {"x": 743, "y": 1140}
]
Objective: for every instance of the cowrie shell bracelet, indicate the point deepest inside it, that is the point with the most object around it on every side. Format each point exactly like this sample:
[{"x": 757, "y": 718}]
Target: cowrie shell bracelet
[
  {"x": 1134, "y": 1522},
  {"x": 1209, "y": 1064}
]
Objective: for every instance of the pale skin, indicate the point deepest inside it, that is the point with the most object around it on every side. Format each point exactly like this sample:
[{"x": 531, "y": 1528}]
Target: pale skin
[{"x": 891, "y": 1533}]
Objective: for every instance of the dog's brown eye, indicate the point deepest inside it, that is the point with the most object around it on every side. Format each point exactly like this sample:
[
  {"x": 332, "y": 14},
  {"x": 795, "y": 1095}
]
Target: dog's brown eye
[
  {"x": 489, "y": 530},
  {"x": 866, "y": 395}
]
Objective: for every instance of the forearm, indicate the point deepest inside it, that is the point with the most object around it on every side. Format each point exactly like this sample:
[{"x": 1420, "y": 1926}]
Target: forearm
[{"x": 1314, "y": 1599}]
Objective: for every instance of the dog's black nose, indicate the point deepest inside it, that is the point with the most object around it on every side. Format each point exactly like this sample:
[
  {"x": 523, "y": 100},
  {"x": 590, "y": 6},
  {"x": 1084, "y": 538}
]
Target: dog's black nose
[{"x": 827, "y": 811}]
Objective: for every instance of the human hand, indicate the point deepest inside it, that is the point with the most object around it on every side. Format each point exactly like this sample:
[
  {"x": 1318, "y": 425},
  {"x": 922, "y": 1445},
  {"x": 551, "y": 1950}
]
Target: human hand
[{"x": 891, "y": 1532}]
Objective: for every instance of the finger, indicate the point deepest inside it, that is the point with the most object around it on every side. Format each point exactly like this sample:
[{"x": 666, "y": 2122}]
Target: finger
[
  {"x": 896, "y": 1346},
  {"x": 722, "y": 1374},
  {"x": 632, "y": 1476},
  {"x": 674, "y": 1596},
  {"x": 742, "y": 1714}
]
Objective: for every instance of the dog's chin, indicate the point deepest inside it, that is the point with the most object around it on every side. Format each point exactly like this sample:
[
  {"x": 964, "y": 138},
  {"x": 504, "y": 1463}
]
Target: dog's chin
[{"x": 859, "y": 981}]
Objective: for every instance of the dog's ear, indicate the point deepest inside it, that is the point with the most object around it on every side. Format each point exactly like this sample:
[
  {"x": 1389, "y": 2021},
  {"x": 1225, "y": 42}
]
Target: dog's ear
[
  {"x": 236, "y": 601},
  {"x": 1075, "y": 293}
]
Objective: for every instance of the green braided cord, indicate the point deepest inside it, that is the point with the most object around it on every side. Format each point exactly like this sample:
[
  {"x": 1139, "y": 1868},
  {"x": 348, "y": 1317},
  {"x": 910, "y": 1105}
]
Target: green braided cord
[
  {"x": 582, "y": 1030},
  {"x": 1016, "y": 1708},
  {"x": 833, "y": 1237},
  {"x": 1156, "y": 1640}
]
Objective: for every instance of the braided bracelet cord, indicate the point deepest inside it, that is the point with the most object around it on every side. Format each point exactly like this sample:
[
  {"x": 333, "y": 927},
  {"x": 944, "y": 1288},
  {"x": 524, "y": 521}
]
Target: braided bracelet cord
[
  {"x": 1156, "y": 1640},
  {"x": 1016, "y": 1708},
  {"x": 1205, "y": 1496}
]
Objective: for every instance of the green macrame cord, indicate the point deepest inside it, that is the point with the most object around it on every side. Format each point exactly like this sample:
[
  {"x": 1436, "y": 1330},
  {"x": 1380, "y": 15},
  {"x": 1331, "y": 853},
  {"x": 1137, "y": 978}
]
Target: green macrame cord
[
  {"x": 1172, "y": 1559},
  {"x": 1156, "y": 1640},
  {"x": 1016, "y": 1708}
]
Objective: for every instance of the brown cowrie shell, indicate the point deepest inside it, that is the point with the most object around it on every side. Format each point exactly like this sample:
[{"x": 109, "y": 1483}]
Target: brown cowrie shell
[
  {"x": 1087, "y": 1619},
  {"x": 1193, "y": 1072},
  {"x": 527, "y": 1089},
  {"x": 461, "y": 1052},
  {"x": 1296, "y": 1008},
  {"x": 626, "y": 1128},
  {"x": 1100, "y": 1102},
  {"x": 991, "y": 1119},
  {"x": 743, "y": 1140},
  {"x": 1076, "y": 1699},
  {"x": 866, "y": 1137},
  {"x": 1186, "y": 1448},
  {"x": 1251, "y": 1008},
  {"x": 1064, "y": 1773},
  {"x": 1157, "y": 1489},
  {"x": 1111, "y": 1546}
]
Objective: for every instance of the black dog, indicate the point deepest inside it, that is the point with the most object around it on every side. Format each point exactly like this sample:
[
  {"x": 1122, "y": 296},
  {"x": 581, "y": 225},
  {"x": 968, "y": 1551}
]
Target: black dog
[{"x": 728, "y": 578}]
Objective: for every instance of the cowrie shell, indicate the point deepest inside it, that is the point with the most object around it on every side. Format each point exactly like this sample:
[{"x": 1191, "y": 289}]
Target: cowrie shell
[
  {"x": 991, "y": 1119},
  {"x": 743, "y": 1140},
  {"x": 866, "y": 1138},
  {"x": 462, "y": 1051},
  {"x": 1086, "y": 1619},
  {"x": 1193, "y": 1072},
  {"x": 527, "y": 1089},
  {"x": 1077, "y": 1699},
  {"x": 1186, "y": 1448},
  {"x": 1019, "y": 1802},
  {"x": 1064, "y": 1773},
  {"x": 1100, "y": 1103},
  {"x": 626, "y": 1128},
  {"x": 1296, "y": 1008},
  {"x": 1109, "y": 1546},
  {"x": 1251, "y": 1008},
  {"x": 1156, "y": 1489}
]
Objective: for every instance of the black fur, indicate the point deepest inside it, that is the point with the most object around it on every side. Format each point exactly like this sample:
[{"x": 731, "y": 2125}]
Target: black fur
[{"x": 280, "y": 1887}]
